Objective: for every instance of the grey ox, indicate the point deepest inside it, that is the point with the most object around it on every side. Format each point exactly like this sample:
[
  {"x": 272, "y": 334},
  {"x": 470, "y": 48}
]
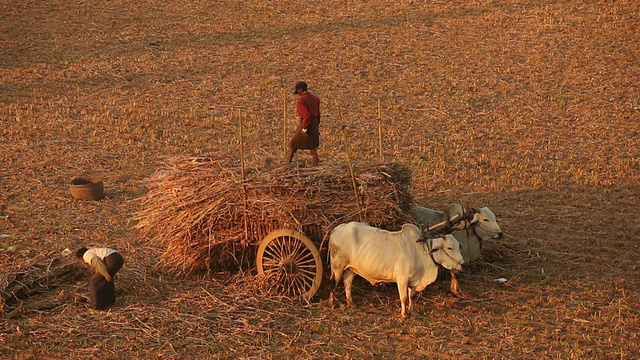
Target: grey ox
[
  {"x": 477, "y": 225},
  {"x": 377, "y": 255}
]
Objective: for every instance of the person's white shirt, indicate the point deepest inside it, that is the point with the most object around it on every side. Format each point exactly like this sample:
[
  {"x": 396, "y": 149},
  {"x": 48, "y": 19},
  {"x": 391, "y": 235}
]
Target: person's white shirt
[{"x": 100, "y": 253}]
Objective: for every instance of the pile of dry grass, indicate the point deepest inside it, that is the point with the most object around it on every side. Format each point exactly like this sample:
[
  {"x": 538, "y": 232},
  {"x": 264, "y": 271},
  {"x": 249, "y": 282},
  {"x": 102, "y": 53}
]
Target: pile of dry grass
[
  {"x": 26, "y": 276},
  {"x": 207, "y": 217}
]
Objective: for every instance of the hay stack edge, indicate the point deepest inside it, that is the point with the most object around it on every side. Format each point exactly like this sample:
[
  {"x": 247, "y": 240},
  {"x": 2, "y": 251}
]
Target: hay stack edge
[{"x": 208, "y": 217}]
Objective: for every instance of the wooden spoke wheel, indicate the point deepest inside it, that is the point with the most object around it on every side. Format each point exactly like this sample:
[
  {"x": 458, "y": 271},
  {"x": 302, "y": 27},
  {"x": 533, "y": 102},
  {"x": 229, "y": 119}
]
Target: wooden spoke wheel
[{"x": 290, "y": 263}]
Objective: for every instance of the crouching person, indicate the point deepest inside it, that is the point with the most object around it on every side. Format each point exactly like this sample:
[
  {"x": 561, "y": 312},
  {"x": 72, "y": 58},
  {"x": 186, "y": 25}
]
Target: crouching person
[{"x": 107, "y": 262}]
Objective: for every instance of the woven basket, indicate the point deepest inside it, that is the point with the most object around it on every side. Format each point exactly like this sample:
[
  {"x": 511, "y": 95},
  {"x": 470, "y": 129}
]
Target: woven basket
[{"x": 87, "y": 188}]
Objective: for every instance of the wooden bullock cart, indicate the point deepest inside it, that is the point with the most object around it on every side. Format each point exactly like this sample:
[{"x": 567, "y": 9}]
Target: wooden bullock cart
[{"x": 216, "y": 213}]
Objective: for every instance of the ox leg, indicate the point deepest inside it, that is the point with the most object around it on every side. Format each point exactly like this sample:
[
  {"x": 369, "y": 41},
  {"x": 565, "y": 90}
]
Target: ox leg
[
  {"x": 348, "y": 282},
  {"x": 403, "y": 290},
  {"x": 411, "y": 294},
  {"x": 455, "y": 290},
  {"x": 336, "y": 276}
]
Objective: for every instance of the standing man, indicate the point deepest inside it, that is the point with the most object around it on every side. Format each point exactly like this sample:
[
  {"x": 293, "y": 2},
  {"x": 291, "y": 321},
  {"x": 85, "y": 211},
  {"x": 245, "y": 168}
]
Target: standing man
[
  {"x": 107, "y": 262},
  {"x": 307, "y": 134}
]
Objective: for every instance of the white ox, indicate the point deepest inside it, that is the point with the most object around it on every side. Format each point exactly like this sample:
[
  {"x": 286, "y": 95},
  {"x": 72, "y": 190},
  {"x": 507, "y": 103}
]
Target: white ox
[{"x": 377, "y": 255}]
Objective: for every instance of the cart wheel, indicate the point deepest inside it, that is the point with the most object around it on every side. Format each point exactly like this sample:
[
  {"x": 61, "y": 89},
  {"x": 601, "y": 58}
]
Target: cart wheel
[{"x": 290, "y": 263}]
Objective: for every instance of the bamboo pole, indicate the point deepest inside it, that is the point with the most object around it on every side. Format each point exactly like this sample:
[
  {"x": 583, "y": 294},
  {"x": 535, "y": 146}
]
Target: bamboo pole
[
  {"x": 443, "y": 223},
  {"x": 244, "y": 184},
  {"x": 209, "y": 254},
  {"x": 353, "y": 176},
  {"x": 379, "y": 129},
  {"x": 284, "y": 120}
]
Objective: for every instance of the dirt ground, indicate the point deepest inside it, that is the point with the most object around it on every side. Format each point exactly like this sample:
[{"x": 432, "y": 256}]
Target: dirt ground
[{"x": 530, "y": 108}]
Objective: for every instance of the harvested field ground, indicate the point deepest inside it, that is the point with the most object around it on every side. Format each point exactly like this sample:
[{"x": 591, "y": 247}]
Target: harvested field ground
[{"x": 531, "y": 108}]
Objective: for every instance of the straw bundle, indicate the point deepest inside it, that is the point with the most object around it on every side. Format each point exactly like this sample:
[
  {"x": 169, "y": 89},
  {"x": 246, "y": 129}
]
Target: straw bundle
[
  {"x": 26, "y": 276},
  {"x": 207, "y": 217}
]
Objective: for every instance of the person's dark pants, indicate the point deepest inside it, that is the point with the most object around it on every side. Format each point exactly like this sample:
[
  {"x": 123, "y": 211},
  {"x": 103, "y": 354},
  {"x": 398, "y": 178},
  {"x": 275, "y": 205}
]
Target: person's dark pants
[
  {"x": 308, "y": 141},
  {"x": 102, "y": 293}
]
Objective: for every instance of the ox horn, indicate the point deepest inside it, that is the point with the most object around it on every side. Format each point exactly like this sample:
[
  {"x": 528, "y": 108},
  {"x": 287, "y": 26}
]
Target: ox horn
[{"x": 469, "y": 211}]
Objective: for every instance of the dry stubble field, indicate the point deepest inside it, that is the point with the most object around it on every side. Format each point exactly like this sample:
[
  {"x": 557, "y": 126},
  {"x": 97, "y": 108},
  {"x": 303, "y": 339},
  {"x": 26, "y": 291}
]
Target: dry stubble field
[{"x": 529, "y": 107}]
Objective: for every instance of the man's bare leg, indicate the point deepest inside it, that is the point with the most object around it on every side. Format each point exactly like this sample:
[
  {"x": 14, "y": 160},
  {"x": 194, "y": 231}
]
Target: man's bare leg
[{"x": 290, "y": 155}]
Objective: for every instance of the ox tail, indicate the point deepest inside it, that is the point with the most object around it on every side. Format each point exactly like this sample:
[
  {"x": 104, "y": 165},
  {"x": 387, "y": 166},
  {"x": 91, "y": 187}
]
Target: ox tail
[
  {"x": 333, "y": 284},
  {"x": 337, "y": 272}
]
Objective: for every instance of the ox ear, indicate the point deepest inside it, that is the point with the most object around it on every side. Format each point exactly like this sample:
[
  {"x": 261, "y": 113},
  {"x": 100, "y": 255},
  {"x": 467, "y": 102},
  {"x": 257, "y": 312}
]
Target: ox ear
[
  {"x": 459, "y": 226},
  {"x": 476, "y": 216}
]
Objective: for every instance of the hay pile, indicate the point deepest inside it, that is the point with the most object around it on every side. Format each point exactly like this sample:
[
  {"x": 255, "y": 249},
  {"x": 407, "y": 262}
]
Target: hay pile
[
  {"x": 200, "y": 210},
  {"x": 26, "y": 275}
]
